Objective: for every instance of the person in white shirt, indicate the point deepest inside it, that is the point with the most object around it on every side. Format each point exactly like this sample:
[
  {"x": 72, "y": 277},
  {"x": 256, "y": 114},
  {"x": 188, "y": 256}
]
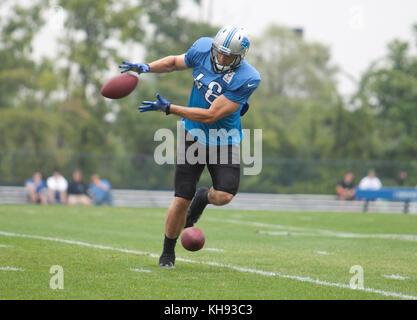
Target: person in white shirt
[
  {"x": 57, "y": 188},
  {"x": 370, "y": 182}
]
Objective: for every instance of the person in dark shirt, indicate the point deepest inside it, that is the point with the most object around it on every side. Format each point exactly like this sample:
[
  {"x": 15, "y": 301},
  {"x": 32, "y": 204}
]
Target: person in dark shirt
[
  {"x": 345, "y": 189},
  {"x": 77, "y": 190},
  {"x": 401, "y": 178}
]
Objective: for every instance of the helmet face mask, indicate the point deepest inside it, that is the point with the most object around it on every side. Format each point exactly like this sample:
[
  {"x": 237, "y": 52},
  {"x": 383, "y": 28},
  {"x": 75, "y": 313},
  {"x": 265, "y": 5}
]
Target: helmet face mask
[
  {"x": 231, "y": 42},
  {"x": 220, "y": 67}
]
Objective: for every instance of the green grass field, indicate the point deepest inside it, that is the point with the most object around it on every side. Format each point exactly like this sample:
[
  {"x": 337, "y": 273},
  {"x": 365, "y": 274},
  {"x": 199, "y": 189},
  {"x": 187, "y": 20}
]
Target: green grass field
[{"x": 112, "y": 253}]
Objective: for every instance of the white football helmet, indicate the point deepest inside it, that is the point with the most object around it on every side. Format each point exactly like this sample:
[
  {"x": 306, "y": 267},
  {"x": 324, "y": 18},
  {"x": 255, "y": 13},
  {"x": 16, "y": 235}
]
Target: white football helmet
[{"x": 230, "y": 41}]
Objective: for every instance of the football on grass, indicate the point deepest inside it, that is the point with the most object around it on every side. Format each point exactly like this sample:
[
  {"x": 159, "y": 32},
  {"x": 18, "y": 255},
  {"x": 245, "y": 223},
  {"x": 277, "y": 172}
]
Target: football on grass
[
  {"x": 119, "y": 86},
  {"x": 192, "y": 239}
]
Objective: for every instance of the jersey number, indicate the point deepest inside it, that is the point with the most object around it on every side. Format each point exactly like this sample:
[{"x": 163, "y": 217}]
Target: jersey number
[{"x": 214, "y": 89}]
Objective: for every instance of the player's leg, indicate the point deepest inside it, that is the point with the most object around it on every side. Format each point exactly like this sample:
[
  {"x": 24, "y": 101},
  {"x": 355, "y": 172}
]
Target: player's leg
[
  {"x": 175, "y": 217},
  {"x": 202, "y": 198},
  {"x": 225, "y": 175},
  {"x": 219, "y": 198},
  {"x": 174, "y": 224},
  {"x": 225, "y": 185},
  {"x": 185, "y": 181},
  {"x": 225, "y": 179},
  {"x": 199, "y": 203}
]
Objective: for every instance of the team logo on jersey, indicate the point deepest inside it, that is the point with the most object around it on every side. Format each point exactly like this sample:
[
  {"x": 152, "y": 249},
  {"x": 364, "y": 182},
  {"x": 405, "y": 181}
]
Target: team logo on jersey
[{"x": 228, "y": 77}]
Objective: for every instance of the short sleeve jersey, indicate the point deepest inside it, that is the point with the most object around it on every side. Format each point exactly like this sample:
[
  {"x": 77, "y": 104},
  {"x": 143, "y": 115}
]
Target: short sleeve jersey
[{"x": 236, "y": 85}]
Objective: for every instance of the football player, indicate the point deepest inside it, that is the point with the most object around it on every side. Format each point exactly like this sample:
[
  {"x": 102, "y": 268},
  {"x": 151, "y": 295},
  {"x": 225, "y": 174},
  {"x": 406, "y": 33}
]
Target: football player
[{"x": 223, "y": 83}]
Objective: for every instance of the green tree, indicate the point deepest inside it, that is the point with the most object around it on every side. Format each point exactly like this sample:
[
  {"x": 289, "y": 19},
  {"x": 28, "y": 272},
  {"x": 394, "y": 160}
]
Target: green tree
[
  {"x": 93, "y": 30},
  {"x": 298, "y": 94},
  {"x": 18, "y": 28},
  {"x": 389, "y": 90}
]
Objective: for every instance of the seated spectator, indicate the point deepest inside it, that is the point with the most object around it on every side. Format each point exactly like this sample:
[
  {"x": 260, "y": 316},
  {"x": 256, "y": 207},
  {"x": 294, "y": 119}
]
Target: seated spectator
[
  {"x": 370, "y": 182},
  {"x": 57, "y": 188},
  {"x": 100, "y": 189},
  {"x": 401, "y": 178},
  {"x": 345, "y": 190},
  {"x": 36, "y": 188},
  {"x": 77, "y": 190}
]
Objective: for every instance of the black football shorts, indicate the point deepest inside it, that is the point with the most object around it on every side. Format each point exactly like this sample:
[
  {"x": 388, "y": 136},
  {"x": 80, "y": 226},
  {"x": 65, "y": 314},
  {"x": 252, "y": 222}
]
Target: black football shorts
[{"x": 223, "y": 163}]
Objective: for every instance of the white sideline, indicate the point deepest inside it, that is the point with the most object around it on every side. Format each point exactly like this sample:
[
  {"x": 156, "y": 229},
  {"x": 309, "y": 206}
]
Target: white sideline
[
  {"x": 216, "y": 264},
  {"x": 317, "y": 232}
]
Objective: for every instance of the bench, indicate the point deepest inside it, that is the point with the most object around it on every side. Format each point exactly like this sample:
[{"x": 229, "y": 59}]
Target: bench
[{"x": 405, "y": 195}]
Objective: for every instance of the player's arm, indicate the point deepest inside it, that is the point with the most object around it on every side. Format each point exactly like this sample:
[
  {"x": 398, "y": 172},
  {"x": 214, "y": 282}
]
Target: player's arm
[
  {"x": 220, "y": 108},
  {"x": 167, "y": 64}
]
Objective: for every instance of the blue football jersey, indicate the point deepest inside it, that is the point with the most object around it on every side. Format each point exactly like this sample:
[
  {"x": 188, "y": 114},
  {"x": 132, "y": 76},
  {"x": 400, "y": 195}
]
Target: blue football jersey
[{"x": 237, "y": 86}]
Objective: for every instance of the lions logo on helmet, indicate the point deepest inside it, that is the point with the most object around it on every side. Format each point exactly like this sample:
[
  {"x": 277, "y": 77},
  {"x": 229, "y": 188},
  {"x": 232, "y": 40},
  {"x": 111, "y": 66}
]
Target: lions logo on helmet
[
  {"x": 231, "y": 41},
  {"x": 245, "y": 43}
]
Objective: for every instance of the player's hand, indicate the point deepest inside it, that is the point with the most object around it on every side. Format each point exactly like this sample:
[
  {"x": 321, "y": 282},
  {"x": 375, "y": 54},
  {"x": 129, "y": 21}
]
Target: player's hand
[
  {"x": 161, "y": 104},
  {"x": 136, "y": 67}
]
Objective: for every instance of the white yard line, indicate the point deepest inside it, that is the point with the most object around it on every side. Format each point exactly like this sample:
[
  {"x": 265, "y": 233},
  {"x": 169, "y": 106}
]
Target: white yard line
[
  {"x": 319, "y": 232},
  {"x": 275, "y": 233},
  {"x": 215, "y": 264},
  {"x": 10, "y": 269},
  {"x": 213, "y": 249},
  {"x": 325, "y": 253},
  {"x": 394, "y": 277},
  {"x": 140, "y": 270},
  {"x": 286, "y": 233},
  {"x": 4, "y": 246}
]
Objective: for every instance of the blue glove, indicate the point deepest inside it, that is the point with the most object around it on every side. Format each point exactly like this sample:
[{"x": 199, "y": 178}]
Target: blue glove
[
  {"x": 136, "y": 67},
  {"x": 160, "y": 104}
]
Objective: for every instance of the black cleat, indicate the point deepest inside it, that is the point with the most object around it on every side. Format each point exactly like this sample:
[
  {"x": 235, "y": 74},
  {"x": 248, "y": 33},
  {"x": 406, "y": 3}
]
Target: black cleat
[
  {"x": 167, "y": 261},
  {"x": 197, "y": 207}
]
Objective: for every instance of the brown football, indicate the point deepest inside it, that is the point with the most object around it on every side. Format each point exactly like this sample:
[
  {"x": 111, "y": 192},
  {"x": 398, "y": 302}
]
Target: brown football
[
  {"x": 119, "y": 86},
  {"x": 192, "y": 239}
]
